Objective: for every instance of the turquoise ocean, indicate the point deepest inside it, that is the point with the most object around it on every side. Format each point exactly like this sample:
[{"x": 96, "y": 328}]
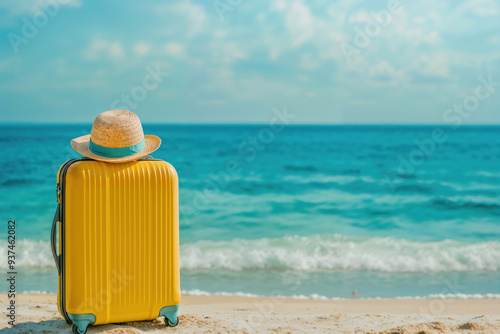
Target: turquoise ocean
[{"x": 309, "y": 212}]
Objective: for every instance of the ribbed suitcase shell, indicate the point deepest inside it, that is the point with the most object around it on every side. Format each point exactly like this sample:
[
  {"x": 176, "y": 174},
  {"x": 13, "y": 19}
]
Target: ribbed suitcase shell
[{"x": 121, "y": 242}]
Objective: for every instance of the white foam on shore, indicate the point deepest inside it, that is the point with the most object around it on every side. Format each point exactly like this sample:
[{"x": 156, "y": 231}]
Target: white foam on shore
[
  {"x": 197, "y": 292},
  {"x": 314, "y": 296},
  {"x": 337, "y": 252},
  {"x": 331, "y": 252}
]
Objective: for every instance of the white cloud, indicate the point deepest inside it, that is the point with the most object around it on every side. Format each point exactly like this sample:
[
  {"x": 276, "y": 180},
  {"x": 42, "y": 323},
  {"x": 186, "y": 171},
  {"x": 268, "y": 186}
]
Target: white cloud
[
  {"x": 361, "y": 17},
  {"x": 419, "y": 20},
  {"x": 227, "y": 53},
  {"x": 141, "y": 48},
  {"x": 196, "y": 15},
  {"x": 417, "y": 36},
  {"x": 483, "y": 7},
  {"x": 175, "y": 50},
  {"x": 280, "y": 5},
  {"x": 300, "y": 22},
  {"x": 304, "y": 78},
  {"x": 115, "y": 50},
  {"x": 190, "y": 17},
  {"x": 383, "y": 71},
  {"x": 434, "y": 15},
  {"x": 303, "y": 25},
  {"x": 495, "y": 39},
  {"x": 433, "y": 66},
  {"x": 308, "y": 62},
  {"x": 407, "y": 34},
  {"x": 101, "y": 48},
  {"x": 274, "y": 53},
  {"x": 219, "y": 33},
  {"x": 432, "y": 37},
  {"x": 473, "y": 17}
]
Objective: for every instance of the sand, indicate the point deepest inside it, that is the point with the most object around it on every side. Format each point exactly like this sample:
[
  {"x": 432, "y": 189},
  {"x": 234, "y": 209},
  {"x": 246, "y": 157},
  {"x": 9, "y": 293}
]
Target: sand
[{"x": 220, "y": 314}]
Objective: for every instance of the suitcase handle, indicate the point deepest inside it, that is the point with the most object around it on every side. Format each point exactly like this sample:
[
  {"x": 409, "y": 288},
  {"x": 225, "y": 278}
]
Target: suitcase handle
[{"x": 53, "y": 238}]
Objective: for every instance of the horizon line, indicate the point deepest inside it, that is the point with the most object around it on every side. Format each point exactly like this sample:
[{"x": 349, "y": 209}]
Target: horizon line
[{"x": 255, "y": 124}]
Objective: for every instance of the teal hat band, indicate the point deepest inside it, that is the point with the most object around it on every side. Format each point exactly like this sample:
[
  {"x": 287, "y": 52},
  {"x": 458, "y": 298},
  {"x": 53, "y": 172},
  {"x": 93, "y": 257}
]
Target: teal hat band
[{"x": 116, "y": 152}]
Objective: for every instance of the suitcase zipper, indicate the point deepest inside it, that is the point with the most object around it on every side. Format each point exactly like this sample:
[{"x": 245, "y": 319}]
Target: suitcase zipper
[{"x": 60, "y": 194}]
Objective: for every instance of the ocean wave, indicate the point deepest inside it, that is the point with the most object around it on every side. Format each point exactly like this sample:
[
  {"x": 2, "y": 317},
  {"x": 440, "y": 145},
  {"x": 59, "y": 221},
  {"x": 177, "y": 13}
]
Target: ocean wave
[
  {"x": 413, "y": 188},
  {"x": 324, "y": 178},
  {"x": 486, "y": 204},
  {"x": 337, "y": 252},
  {"x": 29, "y": 254},
  {"x": 18, "y": 182},
  {"x": 198, "y": 292},
  {"x": 294, "y": 168},
  {"x": 331, "y": 252},
  {"x": 315, "y": 296},
  {"x": 486, "y": 174}
]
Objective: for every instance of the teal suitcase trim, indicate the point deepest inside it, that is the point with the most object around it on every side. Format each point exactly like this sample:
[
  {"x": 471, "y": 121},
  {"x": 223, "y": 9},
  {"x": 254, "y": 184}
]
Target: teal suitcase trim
[
  {"x": 170, "y": 314},
  {"x": 81, "y": 321}
]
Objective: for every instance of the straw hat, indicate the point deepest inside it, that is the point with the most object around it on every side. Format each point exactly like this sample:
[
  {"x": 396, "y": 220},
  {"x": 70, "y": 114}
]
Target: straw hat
[{"x": 116, "y": 136}]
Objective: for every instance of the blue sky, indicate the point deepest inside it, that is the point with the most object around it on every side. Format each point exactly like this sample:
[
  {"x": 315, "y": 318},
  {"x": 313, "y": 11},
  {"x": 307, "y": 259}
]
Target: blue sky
[{"x": 234, "y": 61}]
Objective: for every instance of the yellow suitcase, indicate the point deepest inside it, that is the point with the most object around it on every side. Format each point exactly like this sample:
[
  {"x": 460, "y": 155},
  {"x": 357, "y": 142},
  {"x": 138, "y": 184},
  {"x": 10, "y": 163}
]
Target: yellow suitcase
[{"x": 118, "y": 254}]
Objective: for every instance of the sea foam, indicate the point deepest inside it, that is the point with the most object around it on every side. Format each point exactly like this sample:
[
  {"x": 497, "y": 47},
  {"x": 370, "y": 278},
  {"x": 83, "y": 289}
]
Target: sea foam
[
  {"x": 330, "y": 252},
  {"x": 338, "y": 252},
  {"x": 197, "y": 292}
]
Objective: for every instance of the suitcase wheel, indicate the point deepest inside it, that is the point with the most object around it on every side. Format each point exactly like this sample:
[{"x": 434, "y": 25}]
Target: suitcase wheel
[
  {"x": 76, "y": 330},
  {"x": 170, "y": 314},
  {"x": 169, "y": 323}
]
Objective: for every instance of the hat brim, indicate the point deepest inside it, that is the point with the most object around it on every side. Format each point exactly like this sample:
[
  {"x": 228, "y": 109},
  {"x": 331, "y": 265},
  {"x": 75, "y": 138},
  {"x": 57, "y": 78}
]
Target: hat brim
[{"x": 81, "y": 145}]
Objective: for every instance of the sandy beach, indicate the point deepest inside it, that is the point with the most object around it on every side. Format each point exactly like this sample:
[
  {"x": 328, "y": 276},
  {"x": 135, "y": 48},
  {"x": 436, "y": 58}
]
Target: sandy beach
[{"x": 221, "y": 314}]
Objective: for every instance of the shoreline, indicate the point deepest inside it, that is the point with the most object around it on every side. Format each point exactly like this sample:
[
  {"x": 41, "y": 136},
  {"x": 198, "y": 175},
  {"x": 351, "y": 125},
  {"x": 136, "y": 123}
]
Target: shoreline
[{"x": 232, "y": 314}]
